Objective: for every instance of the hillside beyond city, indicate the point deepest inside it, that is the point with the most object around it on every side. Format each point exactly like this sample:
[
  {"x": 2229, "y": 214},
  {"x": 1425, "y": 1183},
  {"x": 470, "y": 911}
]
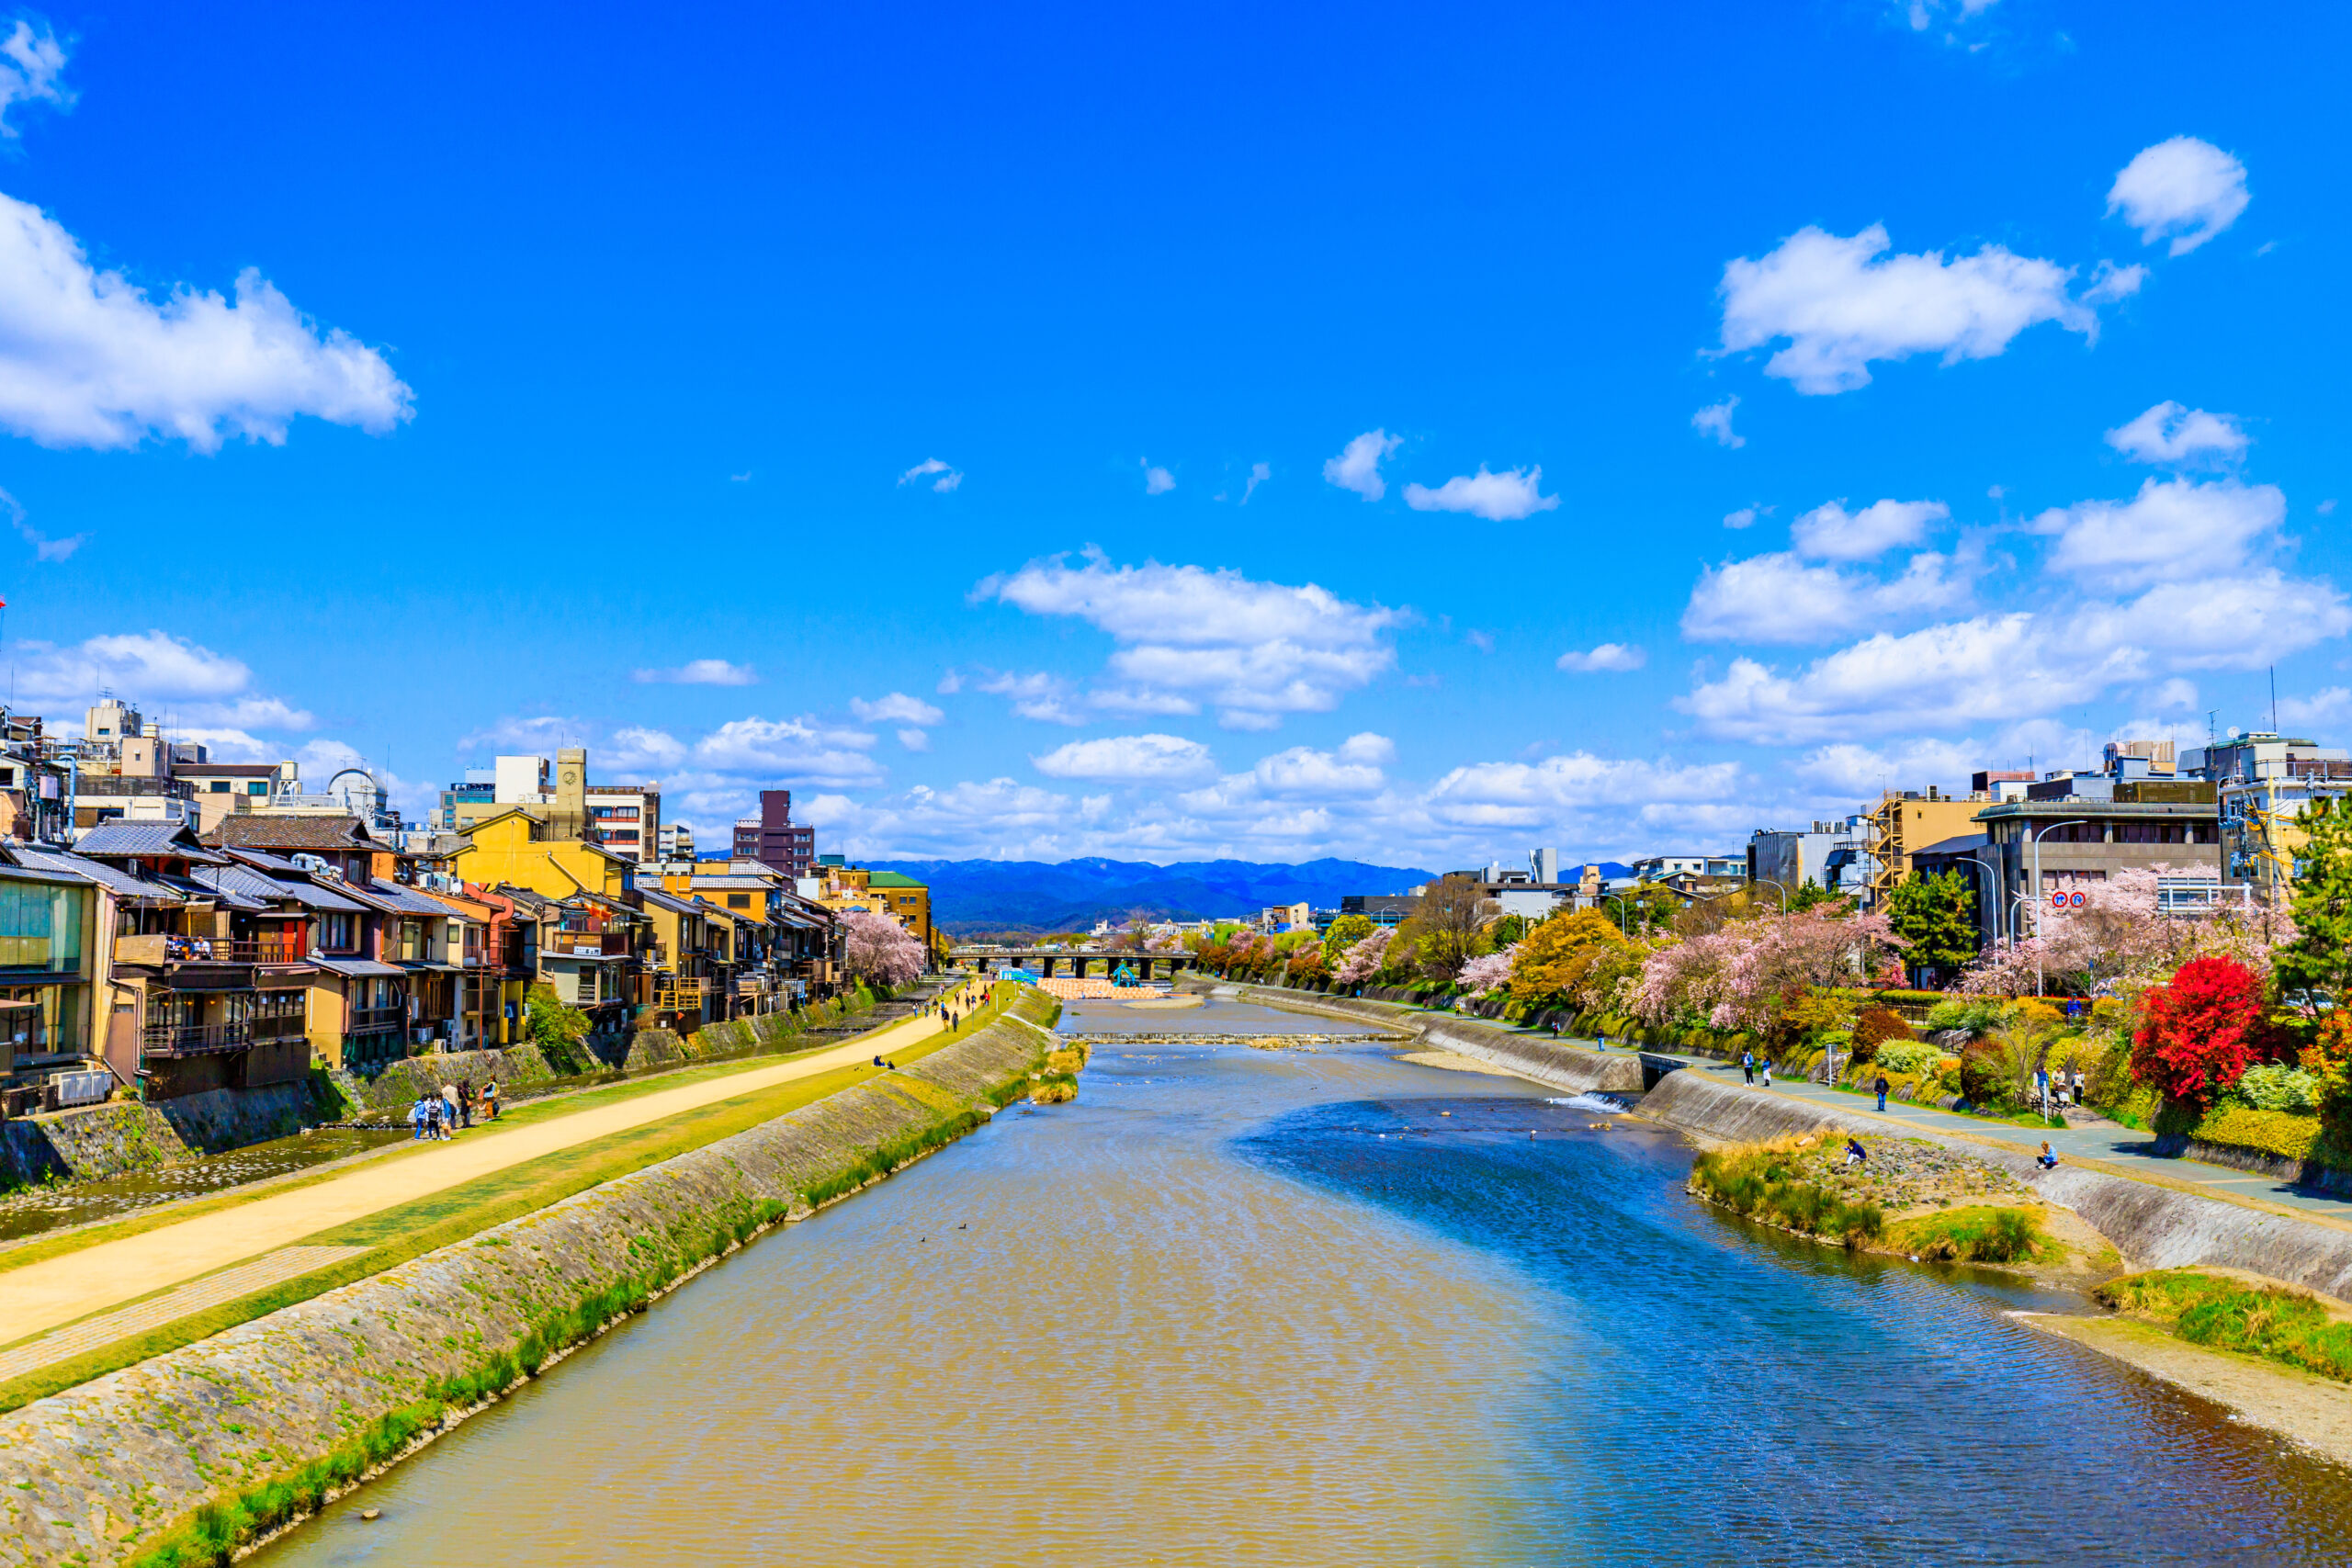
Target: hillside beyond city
[{"x": 978, "y": 897}]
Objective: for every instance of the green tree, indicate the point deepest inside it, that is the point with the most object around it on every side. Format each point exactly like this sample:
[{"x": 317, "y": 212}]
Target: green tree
[
  {"x": 1506, "y": 931},
  {"x": 1345, "y": 933},
  {"x": 2316, "y": 969},
  {"x": 1805, "y": 897},
  {"x": 1937, "y": 916},
  {"x": 1554, "y": 956},
  {"x": 556, "y": 1027}
]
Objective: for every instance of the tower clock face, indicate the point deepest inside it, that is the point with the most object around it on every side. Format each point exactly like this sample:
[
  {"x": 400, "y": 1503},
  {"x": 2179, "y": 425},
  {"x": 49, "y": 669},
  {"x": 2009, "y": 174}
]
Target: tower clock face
[{"x": 570, "y": 776}]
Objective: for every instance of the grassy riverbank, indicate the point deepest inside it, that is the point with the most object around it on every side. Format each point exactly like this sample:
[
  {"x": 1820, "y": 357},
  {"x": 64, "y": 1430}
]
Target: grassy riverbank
[
  {"x": 396, "y": 1234},
  {"x": 2248, "y": 1318},
  {"x": 1910, "y": 1199}
]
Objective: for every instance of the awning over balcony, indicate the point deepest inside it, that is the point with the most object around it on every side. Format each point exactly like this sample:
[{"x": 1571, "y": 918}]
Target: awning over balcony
[{"x": 358, "y": 968}]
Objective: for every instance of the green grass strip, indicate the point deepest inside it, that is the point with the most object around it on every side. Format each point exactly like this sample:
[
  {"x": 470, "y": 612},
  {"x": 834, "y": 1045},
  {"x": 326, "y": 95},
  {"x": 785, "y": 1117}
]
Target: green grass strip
[
  {"x": 2221, "y": 1313},
  {"x": 409, "y": 1230}
]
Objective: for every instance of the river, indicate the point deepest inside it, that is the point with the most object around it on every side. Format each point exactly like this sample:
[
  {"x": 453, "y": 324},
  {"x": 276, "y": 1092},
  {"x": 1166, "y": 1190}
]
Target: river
[{"x": 1321, "y": 1306}]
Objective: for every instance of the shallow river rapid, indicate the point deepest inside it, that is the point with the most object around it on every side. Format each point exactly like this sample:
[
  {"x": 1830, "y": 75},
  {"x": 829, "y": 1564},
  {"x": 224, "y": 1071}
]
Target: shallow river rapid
[{"x": 1247, "y": 1307}]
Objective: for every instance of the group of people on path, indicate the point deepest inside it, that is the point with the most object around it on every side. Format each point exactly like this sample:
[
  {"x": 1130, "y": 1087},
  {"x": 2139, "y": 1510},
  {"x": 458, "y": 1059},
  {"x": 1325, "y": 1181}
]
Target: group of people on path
[
  {"x": 1748, "y": 1065},
  {"x": 438, "y": 1117},
  {"x": 947, "y": 1006}
]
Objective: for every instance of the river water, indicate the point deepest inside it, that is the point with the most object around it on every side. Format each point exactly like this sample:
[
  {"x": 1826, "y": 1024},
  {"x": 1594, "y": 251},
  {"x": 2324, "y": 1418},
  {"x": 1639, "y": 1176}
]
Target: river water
[{"x": 1321, "y": 1306}]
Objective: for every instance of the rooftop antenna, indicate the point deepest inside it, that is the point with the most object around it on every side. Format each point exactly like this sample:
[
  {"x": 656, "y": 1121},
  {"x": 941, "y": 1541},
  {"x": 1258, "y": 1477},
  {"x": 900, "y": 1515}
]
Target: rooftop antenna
[
  {"x": 2274, "y": 699},
  {"x": 2211, "y": 716}
]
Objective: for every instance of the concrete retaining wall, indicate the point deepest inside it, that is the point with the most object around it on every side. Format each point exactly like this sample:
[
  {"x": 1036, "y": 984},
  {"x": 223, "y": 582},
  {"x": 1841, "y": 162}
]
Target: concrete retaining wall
[
  {"x": 2278, "y": 1167},
  {"x": 2152, "y": 1227},
  {"x": 102, "y": 1473}
]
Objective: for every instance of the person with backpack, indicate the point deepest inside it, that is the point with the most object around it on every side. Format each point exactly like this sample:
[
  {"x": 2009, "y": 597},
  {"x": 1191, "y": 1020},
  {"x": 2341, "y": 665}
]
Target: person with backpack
[
  {"x": 1747, "y": 1066},
  {"x": 416, "y": 1118}
]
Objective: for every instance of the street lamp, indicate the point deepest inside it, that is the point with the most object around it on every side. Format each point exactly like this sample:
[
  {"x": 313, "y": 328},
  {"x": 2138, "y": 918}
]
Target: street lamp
[{"x": 2034, "y": 837}]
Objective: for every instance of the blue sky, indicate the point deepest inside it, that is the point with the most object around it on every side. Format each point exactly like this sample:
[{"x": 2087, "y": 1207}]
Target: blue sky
[{"x": 581, "y": 350}]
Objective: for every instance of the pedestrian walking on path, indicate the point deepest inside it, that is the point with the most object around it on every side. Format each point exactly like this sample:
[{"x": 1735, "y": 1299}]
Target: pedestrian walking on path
[
  {"x": 466, "y": 1103},
  {"x": 1880, "y": 1085},
  {"x": 416, "y": 1118},
  {"x": 1768, "y": 1072},
  {"x": 449, "y": 1110},
  {"x": 1747, "y": 1066}
]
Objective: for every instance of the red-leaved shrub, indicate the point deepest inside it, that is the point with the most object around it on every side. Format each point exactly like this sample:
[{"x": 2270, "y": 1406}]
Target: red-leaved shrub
[{"x": 2199, "y": 1031}]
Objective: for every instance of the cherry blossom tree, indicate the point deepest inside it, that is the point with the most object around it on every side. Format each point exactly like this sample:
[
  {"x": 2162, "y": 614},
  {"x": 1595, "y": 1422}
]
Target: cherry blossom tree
[
  {"x": 1486, "y": 971},
  {"x": 880, "y": 950},
  {"x": 1363, "y": 958},
  {"x": 1746, "y": 975}
]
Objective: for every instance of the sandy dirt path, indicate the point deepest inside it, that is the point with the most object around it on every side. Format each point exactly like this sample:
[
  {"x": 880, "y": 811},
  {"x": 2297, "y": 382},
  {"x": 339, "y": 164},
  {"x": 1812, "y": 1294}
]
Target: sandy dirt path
[{"x": 59, "y": 1289}]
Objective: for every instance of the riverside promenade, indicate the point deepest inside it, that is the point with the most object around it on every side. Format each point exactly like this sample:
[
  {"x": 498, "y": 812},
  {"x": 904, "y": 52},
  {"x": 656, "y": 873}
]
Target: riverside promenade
[{"x": 164, "y": 1271}]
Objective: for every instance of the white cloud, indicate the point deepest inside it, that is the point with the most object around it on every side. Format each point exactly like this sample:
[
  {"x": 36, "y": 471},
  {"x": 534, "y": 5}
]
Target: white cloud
[
  {"x": 1259, "y": 474},
  {"x": 1841, "y": 303},
  {"x": 2173, "y": 530},
  {"x": 1779, "y": 598},
  {"x": 791, "y": 752},
  {"x": 1157, "y": 482},
  {"x": 950, "y": 683},
  {"x": 1920, "y": 14},
  {"x": 2173, "y": 435},
  {"x": 1715, "y": 420},
  {"x": 1743, "y": 518},
  {"x": 1500, "y": 497},
  {"x": 1610, "y": 658},
  {"x": 896, "y": 708},
  {"x": 636, "y": 747},
  {"x": 2189, "y": 189},
  {"x": 1944, "y": 677},
  {"x": 947, "y": 480},
  {"x": 1377, "y": 749},
  {"x": 1831, "y": 533},
  {"x": 701, "y": 672},
  {"x": 44, "y": 547},
  {"x": 914, "y": 740},
  {"x": 2241, "y": 621},
  {"x": 142, "y": 668},
  {"x": 2328, "y": 706},
  {"x": 1357, "y": 467},
  {"x": 1046, "y": 698},
  {"x": 1129, "y": 758},
  {"x": 1846, "y": 768},
  {"x": 1255, "y": 650},
  {"x": 30, "y": 65},
  {"x": 87, "y": 359},
  {"x": 542, "y": 733},
  {"x": 1531, "y": 795}
]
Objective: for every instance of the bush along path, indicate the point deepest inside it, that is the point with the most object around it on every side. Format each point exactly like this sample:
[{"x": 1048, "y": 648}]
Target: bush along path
[{"x": 189, "y": 1457}]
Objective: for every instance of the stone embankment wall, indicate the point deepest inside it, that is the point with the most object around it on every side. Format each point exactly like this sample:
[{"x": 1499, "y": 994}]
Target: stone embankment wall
[
  {"x": 2153, "y": 1227},
  {"x": 174, "y": 1460},
  {"x": 124, "y": 1135},
  {"x": 523, "y": 1071},
  {"x": 1570, "y": 1067}
]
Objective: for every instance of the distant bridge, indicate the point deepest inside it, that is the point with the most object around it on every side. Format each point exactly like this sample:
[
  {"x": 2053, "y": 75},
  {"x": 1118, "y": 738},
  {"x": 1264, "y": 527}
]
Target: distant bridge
[{"x": 1047, "y": 960}]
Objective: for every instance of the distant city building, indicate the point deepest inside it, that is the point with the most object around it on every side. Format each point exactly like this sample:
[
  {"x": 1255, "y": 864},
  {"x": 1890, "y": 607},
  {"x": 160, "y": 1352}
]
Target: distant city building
[{"x": 774, "y": 839}]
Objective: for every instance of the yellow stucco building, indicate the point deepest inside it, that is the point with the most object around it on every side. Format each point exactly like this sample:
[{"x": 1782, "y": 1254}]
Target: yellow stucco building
[{"x": 512, "y": 848}]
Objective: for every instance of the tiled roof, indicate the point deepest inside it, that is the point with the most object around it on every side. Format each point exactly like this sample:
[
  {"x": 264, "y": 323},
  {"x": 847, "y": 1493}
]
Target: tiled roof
[
  {"x": 122, "y": 884},
  {"x": 408, "y": 900},
  {"x": 252, "y": 884},
  {"x": 121, "y": 839},
  {"x": 662, "y": 900},
  {"x": 269, "y": 830}
]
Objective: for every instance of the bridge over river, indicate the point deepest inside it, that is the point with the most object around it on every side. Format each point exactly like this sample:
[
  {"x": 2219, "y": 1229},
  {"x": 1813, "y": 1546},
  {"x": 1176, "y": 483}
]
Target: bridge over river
[{"x": 1075, "y": 962}]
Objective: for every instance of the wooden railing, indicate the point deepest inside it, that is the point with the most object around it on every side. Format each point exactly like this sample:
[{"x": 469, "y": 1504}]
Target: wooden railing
[
  {"x": 195, "y": 1039},
  {"x": 159, "y": 948}
]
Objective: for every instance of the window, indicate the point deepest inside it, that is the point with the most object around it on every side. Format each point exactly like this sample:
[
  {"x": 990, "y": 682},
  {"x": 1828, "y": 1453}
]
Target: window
[
  {"x": 41, "y": 926},
  {"x": 339, "y": 934},
  {"x": 738, "y": 900},
  {"x": 257, "y": 787},
  {"x": 220, "y": 786}
]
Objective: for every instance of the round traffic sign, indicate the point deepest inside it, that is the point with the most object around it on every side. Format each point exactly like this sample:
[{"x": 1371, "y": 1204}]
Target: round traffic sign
[
  {"x": 2057, "y": 900},
  {"x": 2075, "y": 900}
]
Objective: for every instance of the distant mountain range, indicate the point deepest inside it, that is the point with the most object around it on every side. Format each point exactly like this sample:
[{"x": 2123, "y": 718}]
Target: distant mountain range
[{"x": 971, "y": 898}]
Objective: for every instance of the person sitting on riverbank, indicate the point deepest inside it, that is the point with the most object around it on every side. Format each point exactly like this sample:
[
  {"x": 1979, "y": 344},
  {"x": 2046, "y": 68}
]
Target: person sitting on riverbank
[
  {"x": 2047, "y": 1159},
  {"x": 1855, "y": 1154}
]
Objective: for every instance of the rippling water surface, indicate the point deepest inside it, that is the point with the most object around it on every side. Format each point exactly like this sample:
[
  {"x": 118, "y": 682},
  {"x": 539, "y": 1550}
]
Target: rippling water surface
[{"x": 1325, "y": 1307}]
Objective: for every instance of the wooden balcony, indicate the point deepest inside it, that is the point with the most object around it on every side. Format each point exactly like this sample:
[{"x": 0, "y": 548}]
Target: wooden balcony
[
  {"x": 585, "y": 944},
  {"x": 195, "y": 1039},
  {"x": 157, "y": 950}
]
